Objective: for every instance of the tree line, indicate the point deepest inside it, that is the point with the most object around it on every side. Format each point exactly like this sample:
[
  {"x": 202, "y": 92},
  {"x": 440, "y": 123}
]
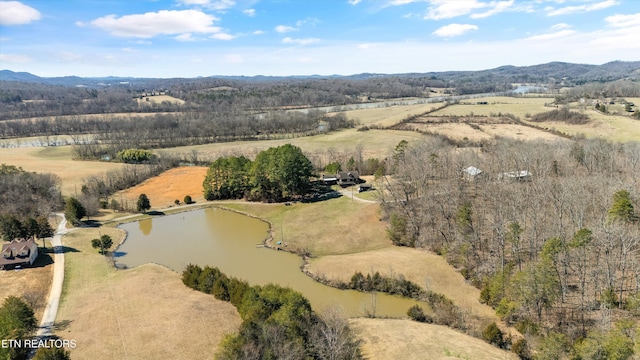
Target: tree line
[
  {"x": 277, "y": 322},
  {"x": 557, "y": 252}
]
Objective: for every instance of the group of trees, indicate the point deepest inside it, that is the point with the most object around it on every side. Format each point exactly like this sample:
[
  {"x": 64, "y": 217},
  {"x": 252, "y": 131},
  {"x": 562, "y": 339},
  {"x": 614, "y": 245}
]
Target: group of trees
[
  {"x": 277, "y": 322},
  {"x": 17, "y": 323},
  {"x": 559, "y": 252},
  {"x": 12, "y": 227},
  {"x": 26, "y": 194},
  {"x": 276, "y": 174}
]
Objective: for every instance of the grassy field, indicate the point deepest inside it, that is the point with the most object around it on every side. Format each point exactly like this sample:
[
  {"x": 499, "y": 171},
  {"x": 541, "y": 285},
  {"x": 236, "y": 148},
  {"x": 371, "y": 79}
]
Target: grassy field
[
  {"x": 169, "y": 186},
  {"x": 336, "y": 226},
  {"x": 142, "y": 313},
  {"x": 424, "y": 268},
  {"x": 518, "y": 106},
  {"x": 409, "y": 340},
  {"x": 374, "y": 143},
  {"x": 57, "y": 160},
  {"x": 31, "y": 284},
  {"x": 391, "y": 115},
  {"x": 157, "y": 99}
]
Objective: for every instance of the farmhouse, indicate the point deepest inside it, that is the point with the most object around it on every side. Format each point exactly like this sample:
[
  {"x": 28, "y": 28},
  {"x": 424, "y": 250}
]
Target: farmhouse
[
  {"x": 471, "y": 173},
  {"x": 346, "y": 178},
  {"x": 521, "y": 175},
  {"x": 18, "y": 252}
]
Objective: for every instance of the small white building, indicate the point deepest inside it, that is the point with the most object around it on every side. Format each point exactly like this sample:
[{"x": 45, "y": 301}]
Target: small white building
[
  {"x": 471, "y": 173},
  {"x": 520, "y": 175}
]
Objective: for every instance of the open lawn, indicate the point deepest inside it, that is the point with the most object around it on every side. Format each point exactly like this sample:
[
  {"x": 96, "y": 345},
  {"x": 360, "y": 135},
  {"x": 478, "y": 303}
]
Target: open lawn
[
  {"x": 171, "y": 185},
  {"x": 336, "y": 226},
  {"x": 31, "y": 284},
  {"x": 409, "y": 340},
  {"x": 142, "y": 313},
  {"x": 424, "y": 268},
  {"x": 57, "y": 160}
]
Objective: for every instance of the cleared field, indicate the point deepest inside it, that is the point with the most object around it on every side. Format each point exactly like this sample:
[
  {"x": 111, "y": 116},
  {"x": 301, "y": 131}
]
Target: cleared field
[
  {"x": 31, "y": 284},
  {"x": 409, "y": 340},
  {"x": 57, "y": 160},
  {"x": 388, "y": 116},
  {"x": 167, "y": 187},
  {"x": 518, "y": 106},
  {"x": 142, "y": 313},
  {"x": 424, "y": 268},
  {"x": 374, "y": 143},
  {"x": 336, "y": 226},
  {"x": 157, "y": 99}
]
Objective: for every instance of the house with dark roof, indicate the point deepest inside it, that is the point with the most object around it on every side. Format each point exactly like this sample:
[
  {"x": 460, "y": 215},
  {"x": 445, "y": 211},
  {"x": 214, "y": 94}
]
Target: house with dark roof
[
  {"x": 347, "y": 178},
  {"x": 19, "y": 252}
]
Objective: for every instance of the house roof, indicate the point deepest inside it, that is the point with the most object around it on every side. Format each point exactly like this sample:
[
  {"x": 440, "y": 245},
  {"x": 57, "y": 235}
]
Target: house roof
[
  {"x": 17, "y": 251},
  {"x": 472, "y": 170}
]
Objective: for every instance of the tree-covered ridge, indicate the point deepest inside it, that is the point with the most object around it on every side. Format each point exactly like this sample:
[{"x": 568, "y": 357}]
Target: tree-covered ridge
[
  {"x": 557, "y": 254},
  {"x": 276, "y": 174},
  {"x": 277, "y": 322}
]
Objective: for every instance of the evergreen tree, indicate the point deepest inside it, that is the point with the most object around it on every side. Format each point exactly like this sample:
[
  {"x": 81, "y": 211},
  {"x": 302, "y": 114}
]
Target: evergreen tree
[
  {"x": 74, "y": 211},
  {"x": 143, "y": 204}
]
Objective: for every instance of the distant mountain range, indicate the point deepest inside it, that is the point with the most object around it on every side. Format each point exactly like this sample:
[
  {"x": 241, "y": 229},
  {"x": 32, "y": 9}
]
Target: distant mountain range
[{"x": 544, "y": 73}]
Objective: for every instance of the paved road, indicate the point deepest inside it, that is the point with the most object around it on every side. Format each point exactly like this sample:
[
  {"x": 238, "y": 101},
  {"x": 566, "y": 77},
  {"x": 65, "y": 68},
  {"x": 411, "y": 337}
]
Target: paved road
[{"x": 51, "y": 309}]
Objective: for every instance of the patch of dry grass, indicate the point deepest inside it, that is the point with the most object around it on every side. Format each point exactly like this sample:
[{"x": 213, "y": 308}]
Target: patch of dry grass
[
  {"x": 410, "y": 340},
  {"x": 171, "y": 185},
  {"x": 374, "y": 143},
  {"x": 157, "y": 99},
  {"x": 142, "y": 313},
  {"x": 518, "y": 106},
  {"x": 336, "y": 226},
  {"x": 57, "y": 160},
  {"x": 391, "y": 115},
  {"x": 31, "y": 284},
  {"x": 424, "y": 268}
]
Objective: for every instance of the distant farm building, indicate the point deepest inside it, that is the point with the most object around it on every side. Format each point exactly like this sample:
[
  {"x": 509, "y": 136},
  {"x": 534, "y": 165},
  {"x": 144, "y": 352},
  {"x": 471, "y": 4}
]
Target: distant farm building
[
  {"x": 521, "y": 175},
  {"x": 19, "y": 252},
  {"x": 471, "y": 173}
]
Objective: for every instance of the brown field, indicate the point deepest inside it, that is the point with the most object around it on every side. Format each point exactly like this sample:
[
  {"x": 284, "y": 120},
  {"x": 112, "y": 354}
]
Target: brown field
[
  {"x": 388, "y": 116},
  {"x": 57, "y": 160},
  {"x": 142, "y": 313},
  {"x": 157, "y": 99},
  {"x": 31, "y": 284},
  {"x": 518, "y": 106},
  {"x": 169, "y": 186},
  {"x": 424, "y": 268},
  {"x": 485, "y": 131},
  {"x": 375, "y": 143},
  {"x": 409, "y": 340}
]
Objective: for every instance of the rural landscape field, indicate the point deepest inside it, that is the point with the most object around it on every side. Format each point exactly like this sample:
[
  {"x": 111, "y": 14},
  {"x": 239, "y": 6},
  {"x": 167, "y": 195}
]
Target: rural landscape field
[{"x": 426, "y": 201}]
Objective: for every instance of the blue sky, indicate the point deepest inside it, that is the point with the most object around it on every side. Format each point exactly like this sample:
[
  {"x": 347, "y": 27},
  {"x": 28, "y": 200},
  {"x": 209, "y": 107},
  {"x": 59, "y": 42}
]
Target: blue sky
[{"x": 189, "y": 38}]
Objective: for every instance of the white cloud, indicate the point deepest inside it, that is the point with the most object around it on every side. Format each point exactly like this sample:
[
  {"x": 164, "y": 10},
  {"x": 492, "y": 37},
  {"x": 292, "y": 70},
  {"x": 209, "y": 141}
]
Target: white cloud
[
  {"x": 446, "y": 9},
  {"x": 554, "y": 35},
  {"x": 354, "y": 2},
  {"x": 258, "y": 32},
  {"x": 17, "y": 13},
  {"x": 560, "y": 26},
  {"x": 498, "y": 7},
  {"x": 452, "y": 30},
  {"x": 185, "y": 37},
  {"x": 581, "y": 8},
  {"x": 15, "y": 58},
  {"x": 284, "y": 28},
  {"x": 623, "y": 20},
  {"x": 209, "y": 4},
  {"x": 308, "y": 21},
  {"x": 249, "y": 12},
  {"x": 164, "y": 22},
  {"x": 307, "y": 41},
  {"x": 222, "y": 36}
]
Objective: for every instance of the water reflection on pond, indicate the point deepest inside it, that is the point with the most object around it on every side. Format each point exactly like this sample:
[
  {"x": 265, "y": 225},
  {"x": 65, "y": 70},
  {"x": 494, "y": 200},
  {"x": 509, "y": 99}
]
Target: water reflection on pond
[{"x": 228, "y": 240}]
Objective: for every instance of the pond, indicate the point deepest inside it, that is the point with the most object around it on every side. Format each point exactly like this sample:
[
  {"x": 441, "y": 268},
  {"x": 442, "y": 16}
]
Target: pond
[{"x": 230, "y": 241}]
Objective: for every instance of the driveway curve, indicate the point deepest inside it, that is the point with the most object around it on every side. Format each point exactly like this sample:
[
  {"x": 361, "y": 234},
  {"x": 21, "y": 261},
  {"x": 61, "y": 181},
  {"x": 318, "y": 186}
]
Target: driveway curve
[{"x": 51, "y": 309}]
